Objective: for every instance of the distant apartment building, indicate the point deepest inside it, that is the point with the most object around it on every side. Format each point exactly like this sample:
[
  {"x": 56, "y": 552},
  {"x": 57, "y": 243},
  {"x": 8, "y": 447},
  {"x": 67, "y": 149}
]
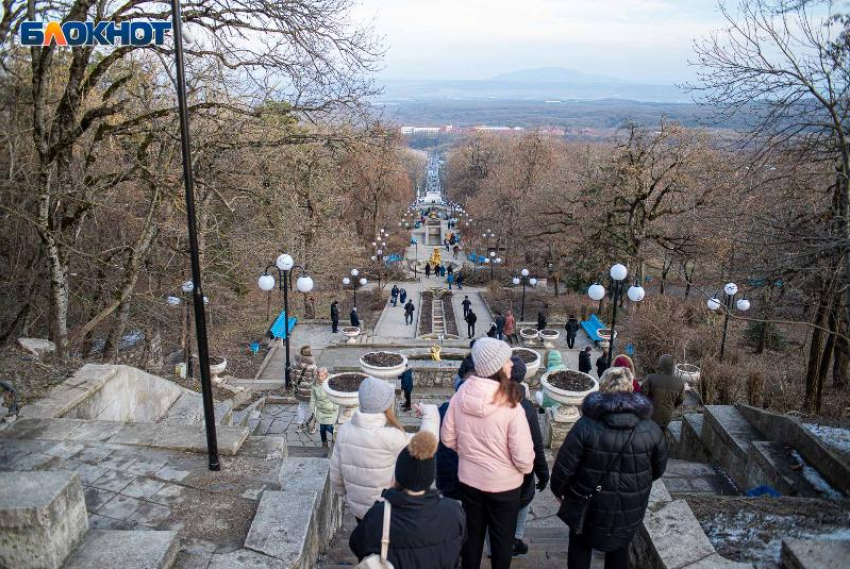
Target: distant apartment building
[{"x": 410, "y": 130}]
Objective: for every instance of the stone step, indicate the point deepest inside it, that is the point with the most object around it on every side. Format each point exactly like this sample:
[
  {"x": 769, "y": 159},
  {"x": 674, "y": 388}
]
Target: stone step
[
  {"x": 43, "y": 518},
  {"x": 690, "y": 443},
  {"x": 814, "y": 553},
  {"x": 727, "y": 437},
  {"x": 242, "y": 417},
  {"x": 684, "y": 478},
  {"x": 106, "y": 549},
  {"x": 188, "y": 409},
  {"x": 185, "y": 438},
  {"x": 770, "y": 463}
]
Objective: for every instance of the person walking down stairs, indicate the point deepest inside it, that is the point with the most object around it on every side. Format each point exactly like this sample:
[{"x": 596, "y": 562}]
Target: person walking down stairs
[
  {"x": 324, "y": 410},
  {"x": 408, "y": 312},
  {"x": 367, "y": 446},
  {"x": 614, "y": 446},
  {"x": 426, "y": 529}
]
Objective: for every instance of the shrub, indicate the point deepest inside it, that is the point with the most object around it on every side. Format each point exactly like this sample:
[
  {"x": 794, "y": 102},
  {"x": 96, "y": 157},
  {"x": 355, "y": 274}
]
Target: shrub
[{"x": 775, "y": 338}]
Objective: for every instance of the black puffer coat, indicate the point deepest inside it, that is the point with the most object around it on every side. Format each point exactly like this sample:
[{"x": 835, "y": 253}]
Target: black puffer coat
[
  {"x": 590, "y": 449},
  {"x": 426, "y": 532},
  {"x": 541, "y": 468}
]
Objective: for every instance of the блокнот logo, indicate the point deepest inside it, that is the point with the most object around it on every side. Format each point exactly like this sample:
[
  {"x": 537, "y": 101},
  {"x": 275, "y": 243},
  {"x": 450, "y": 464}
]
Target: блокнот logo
[{"x": 90, "y": 33}]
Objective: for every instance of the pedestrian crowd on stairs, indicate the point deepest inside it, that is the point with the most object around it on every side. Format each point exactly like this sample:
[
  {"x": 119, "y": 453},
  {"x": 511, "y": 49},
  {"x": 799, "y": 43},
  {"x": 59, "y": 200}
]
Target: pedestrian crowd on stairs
[{"x": 461, "y": 488}]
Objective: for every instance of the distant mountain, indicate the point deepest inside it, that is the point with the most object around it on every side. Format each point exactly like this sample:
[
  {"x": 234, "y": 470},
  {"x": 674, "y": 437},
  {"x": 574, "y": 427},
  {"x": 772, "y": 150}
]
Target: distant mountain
[{"x": 554, "y": 75}]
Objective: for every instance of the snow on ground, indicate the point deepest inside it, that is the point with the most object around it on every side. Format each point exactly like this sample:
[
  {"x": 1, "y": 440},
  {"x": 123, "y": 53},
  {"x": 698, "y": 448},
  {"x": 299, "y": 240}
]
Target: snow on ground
[
  {"x": 835, "y": 437},
  {"x": 816, "y": 480}
]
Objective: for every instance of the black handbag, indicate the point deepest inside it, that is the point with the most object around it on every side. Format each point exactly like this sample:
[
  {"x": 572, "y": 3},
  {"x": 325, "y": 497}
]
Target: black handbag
[{"x": 575, "y": 506}]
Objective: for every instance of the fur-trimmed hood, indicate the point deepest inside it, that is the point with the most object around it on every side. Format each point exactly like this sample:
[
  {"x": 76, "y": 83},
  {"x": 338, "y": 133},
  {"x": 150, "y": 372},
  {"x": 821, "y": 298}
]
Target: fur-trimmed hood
[{"x": 619, "y": 410}]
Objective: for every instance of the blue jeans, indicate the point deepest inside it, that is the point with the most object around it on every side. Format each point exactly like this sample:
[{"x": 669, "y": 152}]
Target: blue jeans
[
  {"x": 395, "y": 301},
  {"x": 324, "y": 430}
]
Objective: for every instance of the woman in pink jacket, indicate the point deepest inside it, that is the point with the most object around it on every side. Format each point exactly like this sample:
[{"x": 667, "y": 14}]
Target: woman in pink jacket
[{"x": 488, "y": 429}]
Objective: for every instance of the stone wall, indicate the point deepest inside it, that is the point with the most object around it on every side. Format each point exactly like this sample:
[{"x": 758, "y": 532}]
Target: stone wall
[{"x": 108, "y": 393}]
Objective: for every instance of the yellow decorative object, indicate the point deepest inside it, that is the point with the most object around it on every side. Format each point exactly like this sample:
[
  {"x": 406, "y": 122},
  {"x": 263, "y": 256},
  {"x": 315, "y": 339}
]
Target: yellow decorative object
[
  {"x": 436, "y": 257},
  {"x": 435, "y": 353}
]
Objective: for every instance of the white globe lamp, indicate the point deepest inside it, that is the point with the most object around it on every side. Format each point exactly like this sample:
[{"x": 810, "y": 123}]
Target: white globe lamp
[
  {"x": 619, "y": 272},
  {"x": 731, "y": 289},
  {"x": 188, "y": 287},
  {"x": 285, "y": 262},
  {"x": 713, "y": 303},
  {"x": 524, "y": 272},
  {"x": 265, "y": 282},
  {"x": 636, "y": 293},
  {"x": 743, "y": 305},
  {"x": 304, "y": 284},
  {"x": 596, "y": 292},
  {"x": 346, "y": 281}
]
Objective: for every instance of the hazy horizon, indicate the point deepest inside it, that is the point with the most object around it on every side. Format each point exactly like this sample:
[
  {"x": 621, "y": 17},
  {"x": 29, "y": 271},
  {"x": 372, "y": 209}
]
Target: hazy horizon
[{"x": 648, "y": 41}]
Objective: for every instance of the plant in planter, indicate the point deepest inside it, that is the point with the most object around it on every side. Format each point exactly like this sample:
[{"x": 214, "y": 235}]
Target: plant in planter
[
  {"x": 217, "y": 366},
  {"x": 383, "y": 365},
  {"x": 342, "y": 390},
  {"x": 549, "y": 337},
  {"x": 568, "y": 388},
  {"x": 530, "y": 358},
  {"x": 351, "y": 332}
]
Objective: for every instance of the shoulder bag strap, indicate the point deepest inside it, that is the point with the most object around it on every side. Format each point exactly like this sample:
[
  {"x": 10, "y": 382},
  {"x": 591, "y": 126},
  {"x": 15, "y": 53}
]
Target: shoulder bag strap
[
  {"x": 610, "y": 468},
  {"x": 385, "y": 536}
]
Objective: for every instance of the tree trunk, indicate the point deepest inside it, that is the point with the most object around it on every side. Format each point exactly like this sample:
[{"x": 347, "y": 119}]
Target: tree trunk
[
  {"x": 812, "y": 397},
  {"x": 765, "y": 316}
]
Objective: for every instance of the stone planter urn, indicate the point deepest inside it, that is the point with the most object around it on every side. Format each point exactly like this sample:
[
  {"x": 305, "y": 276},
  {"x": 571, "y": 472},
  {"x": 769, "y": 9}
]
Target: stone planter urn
[
  {"x": 561, "y": 418},
  {"x": 217, "y": 367},
  {"x": 605, "y": 334},
  {"x": 351, "y": 332},
  {"x": 532, "y": 366},
  {"x": 347, "y": 399},
  {"x": 529, "y": 336},
  {"x": 549, "y": 337},
  {"x": 688, "y": 373},
  {"x": 383, "y": 365}
]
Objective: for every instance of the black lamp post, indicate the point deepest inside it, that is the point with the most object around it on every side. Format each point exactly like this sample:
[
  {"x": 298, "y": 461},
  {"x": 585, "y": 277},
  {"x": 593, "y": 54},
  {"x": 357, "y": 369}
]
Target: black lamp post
[
  {"x": 636, "y": 293},
  {"x": 194, "y": 254},
  {"x": 730, "y": 291},
  {"x": 355, "y": 283},
  {"x": 415, "y": 242},
  {"x": 523, "y": 278},
  {"x": 492, "y": 260},
  {"x": 284, "y": 265}
]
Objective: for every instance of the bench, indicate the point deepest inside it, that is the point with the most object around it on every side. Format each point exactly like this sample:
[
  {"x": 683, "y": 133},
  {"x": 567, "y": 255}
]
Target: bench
[
  {"x": 592, "y": 326},
  {"x": 278, "y": 331}
]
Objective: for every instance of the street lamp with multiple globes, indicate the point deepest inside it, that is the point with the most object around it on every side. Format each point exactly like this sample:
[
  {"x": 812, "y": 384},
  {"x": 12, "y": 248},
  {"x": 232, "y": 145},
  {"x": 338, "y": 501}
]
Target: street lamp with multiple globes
[
  {"x": 284, "y": 265},
  {"x": 354, "y": 282},
  {"x": 636, "y": 293},
  {"x": 492, "y": 260},
  {"x": 524, "y": 279},
  {"x": 742, "y": 304}
]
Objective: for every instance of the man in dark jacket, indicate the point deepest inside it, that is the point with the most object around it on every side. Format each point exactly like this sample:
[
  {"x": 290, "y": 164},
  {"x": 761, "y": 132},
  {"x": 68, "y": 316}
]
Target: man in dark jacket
[
  {"x": 541, "y": 321},
  {"x": 408, "y": 312},
  {"x": 665, "y": 390},
  {"x": 500, "y": 324},
  {"x": 584, "y": 364},
  {"x": 394, "y": 295},
  {"x": 541, "y": 468},
  {"x": 471, "y": 319},
  {"x": 466, "y": 304},
  {"x": 572, "y": 326},
  {"x": 354, "y": 317},
  {"x": 426, "y": 530},
  {"x": 427, "y": 270},
  {"x": 602, "y": 363},
  {"x": 614, "y": 435},
  {"x": 406, "y": 378},
  {"x": 334, "y": 316}
]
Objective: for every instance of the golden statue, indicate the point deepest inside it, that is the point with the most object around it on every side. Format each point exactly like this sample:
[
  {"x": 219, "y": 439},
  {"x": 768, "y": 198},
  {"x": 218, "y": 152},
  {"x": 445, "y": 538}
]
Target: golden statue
[
  {"x": 435, "y": 353},
  {"x": 436, "y": 257}
]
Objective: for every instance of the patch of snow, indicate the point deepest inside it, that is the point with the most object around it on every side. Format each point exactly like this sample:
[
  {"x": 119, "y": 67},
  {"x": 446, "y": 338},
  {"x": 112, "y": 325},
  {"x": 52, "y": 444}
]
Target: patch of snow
[
  {"x": 833, "y": 436},
  {"x": 816, "y": 480}
]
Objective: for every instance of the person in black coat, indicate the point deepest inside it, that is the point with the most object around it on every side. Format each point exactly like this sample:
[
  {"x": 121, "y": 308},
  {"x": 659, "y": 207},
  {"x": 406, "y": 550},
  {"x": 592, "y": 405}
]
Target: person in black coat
[
  {"x": 572, "y": 327},
  {"x": 471, "y": 319},
  {"x": 615, "y": 445},
  {"x": 541, "y": 468},
  {"x": 408, "y": 312},
  {"x": 541, "y": 321},
  {"x": 426, "y": 530},
  {"x": 354, "y": 317},
  {"x": 499, "y": 321},
  {"x": 427, "y": 270},
  {"x": 466, "y": 306},
  {"x": 334, "y": 316},
  {"x": 584, "y": 364},
  {"x": 603, "y": 362}
]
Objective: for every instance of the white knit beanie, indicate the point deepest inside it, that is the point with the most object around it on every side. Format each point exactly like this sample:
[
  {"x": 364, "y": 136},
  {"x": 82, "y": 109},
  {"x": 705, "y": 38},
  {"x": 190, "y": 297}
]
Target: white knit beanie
[{"x": 489, "y": 355}]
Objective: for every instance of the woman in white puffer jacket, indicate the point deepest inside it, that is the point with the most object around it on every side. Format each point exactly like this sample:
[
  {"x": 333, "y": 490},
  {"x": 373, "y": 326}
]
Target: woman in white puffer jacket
[{"x": 366, "y": 448}]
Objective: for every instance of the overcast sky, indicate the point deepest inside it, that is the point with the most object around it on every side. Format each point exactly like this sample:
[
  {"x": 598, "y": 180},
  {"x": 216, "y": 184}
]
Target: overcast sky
[{"x": 645, "y": 40}]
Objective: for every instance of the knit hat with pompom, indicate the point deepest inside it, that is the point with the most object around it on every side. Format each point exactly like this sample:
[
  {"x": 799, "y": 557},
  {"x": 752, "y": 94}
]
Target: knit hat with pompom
[{"x": 416, "y": 467}]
